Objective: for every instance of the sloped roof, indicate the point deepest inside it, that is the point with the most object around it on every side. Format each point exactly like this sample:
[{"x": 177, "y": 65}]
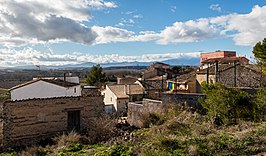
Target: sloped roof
[
  {"x": 52, "y": 81},
  {"x": 124, "y": 91},
  {"x": 127, "y": 80},
  {"x": 119, "y": 91},
  {"x": 224, "y": 67},
  {"x": 134, "y": 89},
  {"x": 224, "y": 60}
]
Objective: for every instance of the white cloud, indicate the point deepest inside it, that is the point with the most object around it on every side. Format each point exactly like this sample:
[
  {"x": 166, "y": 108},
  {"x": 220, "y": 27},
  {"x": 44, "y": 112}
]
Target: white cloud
[
  {"x": 250, "y": 28},
  {"x": 173, "y": 8},
  {"x": 138, "y": 16},
  {"x": 216, "y": 7},
  {"x": 42, "y": 21},
  {"x": 189, "y": 31},
  {"x": 245, "y": 29},
  {"x": 111, "y": 34},
  {"x": 29, "y": 56},
  {"x": 39, "y": 21},
  {"x": 99, "y": 4}
]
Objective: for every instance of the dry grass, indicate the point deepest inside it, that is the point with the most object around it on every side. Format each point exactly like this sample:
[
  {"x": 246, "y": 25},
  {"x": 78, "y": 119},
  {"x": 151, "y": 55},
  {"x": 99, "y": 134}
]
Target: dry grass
[{"x": 102, "y": 129}]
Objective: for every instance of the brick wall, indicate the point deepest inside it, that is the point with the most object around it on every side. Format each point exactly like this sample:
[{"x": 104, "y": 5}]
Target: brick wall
[
  {"x": 29, "y": 121},
  {"x": 218, "y": 54}
]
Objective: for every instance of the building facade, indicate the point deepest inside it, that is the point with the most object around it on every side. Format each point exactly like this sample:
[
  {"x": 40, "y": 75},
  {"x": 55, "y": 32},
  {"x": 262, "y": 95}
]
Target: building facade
[{"x": 45, "y": 88}]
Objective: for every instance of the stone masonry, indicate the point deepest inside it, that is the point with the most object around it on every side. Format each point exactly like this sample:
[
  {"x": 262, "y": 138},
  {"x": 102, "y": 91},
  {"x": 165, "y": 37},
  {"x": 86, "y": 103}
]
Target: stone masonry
[{"x": 29, "y": 121}]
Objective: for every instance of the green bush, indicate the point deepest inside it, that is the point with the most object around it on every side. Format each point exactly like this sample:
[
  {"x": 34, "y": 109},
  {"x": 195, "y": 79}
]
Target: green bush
[
  {"x": 119, "y": 150},
  {"x": 227, "y": 105}
]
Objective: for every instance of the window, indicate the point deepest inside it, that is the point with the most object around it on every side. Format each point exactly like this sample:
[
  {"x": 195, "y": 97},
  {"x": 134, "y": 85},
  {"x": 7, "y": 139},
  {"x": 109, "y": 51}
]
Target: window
[
  {"x": 75, "y": 90},
  {"x": 111, "y": 99}
]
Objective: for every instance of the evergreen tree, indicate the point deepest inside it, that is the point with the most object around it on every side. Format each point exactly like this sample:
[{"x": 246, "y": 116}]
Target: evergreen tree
[
  {"x": 259, "y": 51},
  {"x": 96, "y": 76}
]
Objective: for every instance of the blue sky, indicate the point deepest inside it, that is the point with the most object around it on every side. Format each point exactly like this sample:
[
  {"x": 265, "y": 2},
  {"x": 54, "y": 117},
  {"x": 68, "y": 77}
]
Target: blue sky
[{"x": 55, "y": 32}]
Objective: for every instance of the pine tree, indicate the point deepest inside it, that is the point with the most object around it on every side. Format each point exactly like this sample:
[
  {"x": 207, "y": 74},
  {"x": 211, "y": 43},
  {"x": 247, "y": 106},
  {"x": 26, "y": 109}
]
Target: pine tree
[{"x": 96, "y": 76}]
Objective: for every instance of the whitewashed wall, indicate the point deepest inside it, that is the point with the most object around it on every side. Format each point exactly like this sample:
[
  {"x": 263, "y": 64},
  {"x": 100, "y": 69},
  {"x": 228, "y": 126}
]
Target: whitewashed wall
[{"x": 42, "y": 89}]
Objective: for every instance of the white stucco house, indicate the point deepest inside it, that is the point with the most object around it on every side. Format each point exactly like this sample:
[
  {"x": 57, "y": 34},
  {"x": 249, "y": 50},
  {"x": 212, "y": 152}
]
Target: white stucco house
[
  {"x": 46, "y": 88},
  {"x": 116, "y": 97}
]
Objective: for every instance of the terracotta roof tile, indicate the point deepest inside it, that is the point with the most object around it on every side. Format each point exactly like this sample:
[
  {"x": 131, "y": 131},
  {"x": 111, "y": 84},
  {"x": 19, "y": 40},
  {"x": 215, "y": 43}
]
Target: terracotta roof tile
[{"x": 124, "y": 91}]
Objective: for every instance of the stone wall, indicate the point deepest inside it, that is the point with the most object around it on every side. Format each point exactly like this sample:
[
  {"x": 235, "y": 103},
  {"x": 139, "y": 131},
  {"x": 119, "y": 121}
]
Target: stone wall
[
  {"x": 245, "y": 77},
  {"x": 189, "y": 100},
  {"x": 90, "y": 92},
  {"x": 154, "y": 88},
  {"x": 29, "y": 121},
  {"x": 137, "y": 111}
]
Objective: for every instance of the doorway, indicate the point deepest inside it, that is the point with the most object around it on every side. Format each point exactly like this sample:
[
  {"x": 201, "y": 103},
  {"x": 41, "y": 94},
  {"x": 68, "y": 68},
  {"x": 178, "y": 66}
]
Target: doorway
[{"x": 73, "y": 120}]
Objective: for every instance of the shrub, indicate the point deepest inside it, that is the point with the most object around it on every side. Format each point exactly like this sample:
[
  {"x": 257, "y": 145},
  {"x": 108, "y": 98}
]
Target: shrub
[
  {"x": 119, "y": 150},
  {"x": 227, "y": 105},
  {"x": 67, "y": 139},
  {"x": 101, "y": 129}
]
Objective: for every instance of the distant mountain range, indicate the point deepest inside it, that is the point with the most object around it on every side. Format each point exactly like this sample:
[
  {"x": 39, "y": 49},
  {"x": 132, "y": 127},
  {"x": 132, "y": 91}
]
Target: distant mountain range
[{"x": 179, "y": 61}]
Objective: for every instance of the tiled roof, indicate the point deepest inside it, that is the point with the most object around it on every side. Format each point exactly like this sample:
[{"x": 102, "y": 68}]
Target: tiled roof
[
  {"x": 127, "y": 80},
  {"x": 134, "y": 89},
  {"x": 223, "y": 60},
  {"x": 52, "y": 81},
  {"x": 119, "y": 91},
  {"x": 124, "y": 91},
  {"x": 224, "y": 67}
]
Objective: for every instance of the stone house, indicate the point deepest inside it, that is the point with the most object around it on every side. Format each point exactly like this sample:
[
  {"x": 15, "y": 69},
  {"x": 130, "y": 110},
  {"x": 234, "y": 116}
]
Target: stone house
[
  {"x": 158, "y": 69},
  {"x": 25, "y": 122},
  {"x": 116, "y": 97},
  {"x": 46, "y": 88},
  {"x": 126, "y": 80},
  {"x": 232, "y": 75}
]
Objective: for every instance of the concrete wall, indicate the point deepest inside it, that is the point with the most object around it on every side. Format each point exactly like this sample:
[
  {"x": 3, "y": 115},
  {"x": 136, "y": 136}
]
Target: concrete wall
[
  {"x": 26, "y": 122},
  {"x": 42, "y": 89},
  {"x": 203, "y": 77}
]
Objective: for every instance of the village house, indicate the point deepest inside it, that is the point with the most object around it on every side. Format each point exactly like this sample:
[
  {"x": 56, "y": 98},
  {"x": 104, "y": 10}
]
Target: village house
[
  {"x": 29, "y": 121},
  {"x": 158, "y": 69},
  {"x": 116, "y": 97},
  {"x": 41, "y": 88},
  {"x": 232, "y": 75},
  {"x": 222, "y": 57},
  {"x": 127, "y": 80}
]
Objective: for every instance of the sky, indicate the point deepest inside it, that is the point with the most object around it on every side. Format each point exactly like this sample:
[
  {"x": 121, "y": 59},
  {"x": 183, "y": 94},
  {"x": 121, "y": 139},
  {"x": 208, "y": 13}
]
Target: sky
[{"x": 59, "y": 32}]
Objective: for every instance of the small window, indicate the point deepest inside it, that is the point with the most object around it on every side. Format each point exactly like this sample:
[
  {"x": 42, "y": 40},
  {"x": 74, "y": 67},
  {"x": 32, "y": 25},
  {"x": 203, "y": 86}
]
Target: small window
[
  {"x": 75, "y": 90},
  {"x": 111, "y": 99}
]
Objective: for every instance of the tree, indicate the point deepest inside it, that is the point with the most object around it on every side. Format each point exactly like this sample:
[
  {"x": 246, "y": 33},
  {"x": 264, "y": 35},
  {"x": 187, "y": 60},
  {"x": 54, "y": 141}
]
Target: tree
[
  {"x": 96, "y": 76},
  {"x": 177, "y": 69},
  {"x": 259, "y": 51},
  {"x": 227, "y": 105}
]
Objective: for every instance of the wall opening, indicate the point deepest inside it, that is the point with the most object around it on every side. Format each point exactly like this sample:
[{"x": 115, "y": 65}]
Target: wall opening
[{"x": 73, "y": 120}]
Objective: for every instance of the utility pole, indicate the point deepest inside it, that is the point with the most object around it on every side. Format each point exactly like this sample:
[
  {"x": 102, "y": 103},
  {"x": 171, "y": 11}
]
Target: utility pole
[
  {"x": 207, "y": 75},
  {"x": 234, "y": 73},
  {"x": 216, "y": 71}
]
